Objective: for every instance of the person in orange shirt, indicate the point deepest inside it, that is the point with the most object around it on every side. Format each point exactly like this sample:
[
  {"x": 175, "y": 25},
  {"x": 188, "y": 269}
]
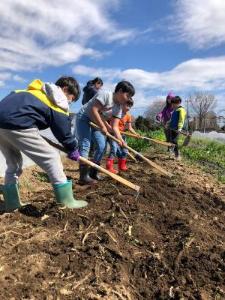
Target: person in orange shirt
[{"x": 115, "y": 149}]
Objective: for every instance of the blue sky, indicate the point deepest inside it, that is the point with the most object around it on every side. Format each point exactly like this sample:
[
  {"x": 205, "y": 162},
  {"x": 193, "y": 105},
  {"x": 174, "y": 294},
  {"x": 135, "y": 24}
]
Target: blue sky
[{"x": 158, "y": 45}]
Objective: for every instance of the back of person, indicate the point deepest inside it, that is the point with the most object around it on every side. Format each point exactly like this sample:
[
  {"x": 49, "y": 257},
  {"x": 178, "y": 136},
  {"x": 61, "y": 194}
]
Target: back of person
[
  {"x": 176, "y": 124},
  {"x": 23, "y": 110},
  {"x": 178, "y": 118},
  {"x": 22, "y": 114},
  {"x": 32, "y": 108},
  {"x": 40, "y": 106},
  {"x": 92, "y": 87}
]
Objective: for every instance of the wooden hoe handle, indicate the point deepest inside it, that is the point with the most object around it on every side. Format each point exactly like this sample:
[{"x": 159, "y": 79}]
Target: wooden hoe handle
[
  {"x": 149, "y": 139},
  {"x": 90, "y": 163},
  {"x": 151, "y": 163}
]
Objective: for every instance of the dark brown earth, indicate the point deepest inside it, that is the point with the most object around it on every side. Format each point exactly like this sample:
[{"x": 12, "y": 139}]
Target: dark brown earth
[{"x": 166, "y": 244}]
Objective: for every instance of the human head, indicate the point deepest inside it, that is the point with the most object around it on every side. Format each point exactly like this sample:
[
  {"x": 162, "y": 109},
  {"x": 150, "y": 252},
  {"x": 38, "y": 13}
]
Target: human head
[
  {"x": 124, "y": 90},
  {"x": 70, "y": 87},
  {"x": 127, "y": 105},
  {"x": 169, "y": 97},
  {"x": 176, "y": 101},
  {"x": 97, "y": 82}
]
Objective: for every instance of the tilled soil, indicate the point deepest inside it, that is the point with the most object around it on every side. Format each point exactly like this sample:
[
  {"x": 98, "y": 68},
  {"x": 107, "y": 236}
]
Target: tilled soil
[{"x": 167, "y": 243}]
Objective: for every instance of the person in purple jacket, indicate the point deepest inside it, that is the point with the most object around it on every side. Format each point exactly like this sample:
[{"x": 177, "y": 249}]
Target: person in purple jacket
[{"x": 165, "y": 115}]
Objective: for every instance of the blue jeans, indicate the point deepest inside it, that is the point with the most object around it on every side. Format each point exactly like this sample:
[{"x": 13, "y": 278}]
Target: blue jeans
[
  {"x": 86, "y": 134},
  {"x": 116, "y": 150}
]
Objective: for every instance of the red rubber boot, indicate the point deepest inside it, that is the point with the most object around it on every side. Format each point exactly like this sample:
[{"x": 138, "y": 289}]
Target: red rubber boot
[
  {"x": 122, "y": 164},
  {"x": 109, "y": 165}
]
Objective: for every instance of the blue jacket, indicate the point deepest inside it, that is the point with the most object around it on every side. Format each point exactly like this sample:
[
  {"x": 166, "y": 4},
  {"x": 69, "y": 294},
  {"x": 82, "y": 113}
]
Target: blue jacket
[
  {"x": 32, "y": 108},
  {"x": 177, "y": 118}
]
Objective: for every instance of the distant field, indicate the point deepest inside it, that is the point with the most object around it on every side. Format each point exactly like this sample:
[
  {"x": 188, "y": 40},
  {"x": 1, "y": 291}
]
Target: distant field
[{"x": 207, "y": 153}]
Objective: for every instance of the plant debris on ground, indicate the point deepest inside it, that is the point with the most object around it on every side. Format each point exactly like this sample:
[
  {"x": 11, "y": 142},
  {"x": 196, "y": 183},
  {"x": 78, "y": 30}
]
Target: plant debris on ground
[{"x": 166, "y": 244}]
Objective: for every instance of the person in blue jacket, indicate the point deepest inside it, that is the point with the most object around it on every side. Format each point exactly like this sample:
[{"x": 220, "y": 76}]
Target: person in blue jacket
[
  {"x": 91, "y": 89},
  {"x": 176, "y": 124},
  {"x": 22, "y": 114}
]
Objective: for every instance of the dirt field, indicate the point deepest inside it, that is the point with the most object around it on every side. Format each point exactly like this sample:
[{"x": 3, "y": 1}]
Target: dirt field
[{"x": 166, "y": 244}]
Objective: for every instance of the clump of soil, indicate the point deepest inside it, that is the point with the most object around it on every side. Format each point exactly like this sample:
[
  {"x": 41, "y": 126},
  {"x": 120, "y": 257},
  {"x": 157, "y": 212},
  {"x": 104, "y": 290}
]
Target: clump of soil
[{"x": 166, "y": 244}]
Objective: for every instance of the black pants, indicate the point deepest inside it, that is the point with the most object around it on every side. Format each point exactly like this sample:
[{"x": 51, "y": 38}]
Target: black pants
[{"x": 174, "y": 137}]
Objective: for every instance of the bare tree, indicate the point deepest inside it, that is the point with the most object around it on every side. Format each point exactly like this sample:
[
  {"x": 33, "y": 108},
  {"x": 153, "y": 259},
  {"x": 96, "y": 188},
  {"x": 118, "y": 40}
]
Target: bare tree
[
  {"x": 201, "y": 104},
  {"x": 153, "y": 109}
]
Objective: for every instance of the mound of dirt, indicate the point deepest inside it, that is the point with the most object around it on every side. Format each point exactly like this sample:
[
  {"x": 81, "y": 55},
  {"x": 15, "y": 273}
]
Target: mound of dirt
[{"x": 168, "y": 243}]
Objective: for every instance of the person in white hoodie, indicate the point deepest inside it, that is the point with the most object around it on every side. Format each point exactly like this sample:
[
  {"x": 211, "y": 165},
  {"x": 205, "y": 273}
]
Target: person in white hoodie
[{"x": 22, "y": 114}]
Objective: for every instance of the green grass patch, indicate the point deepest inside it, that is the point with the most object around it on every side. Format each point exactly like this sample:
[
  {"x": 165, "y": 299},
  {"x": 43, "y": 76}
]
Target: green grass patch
[
  {"x": 205, "y": 153},
  {"x": 137, "y": 144},
  {"x": 210, "y": 155},
  {"x": 140, "y": 144}
]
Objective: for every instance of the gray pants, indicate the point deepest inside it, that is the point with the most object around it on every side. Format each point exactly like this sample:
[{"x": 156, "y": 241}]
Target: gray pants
[{"x": 30, "y": 142}]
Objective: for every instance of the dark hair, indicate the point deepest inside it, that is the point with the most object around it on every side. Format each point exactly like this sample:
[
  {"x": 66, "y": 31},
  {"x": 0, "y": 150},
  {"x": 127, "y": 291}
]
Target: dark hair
[
  {"x": 169, "y": 97},
  {"x": 126, "y": 87},
  {"x": 71, "y": 84},
  {"x": 130, "y": 102},
  {"x": 176, "y": 100},
  {"x": 97, "y": 80},
  {"x": 168, "y": 104}
]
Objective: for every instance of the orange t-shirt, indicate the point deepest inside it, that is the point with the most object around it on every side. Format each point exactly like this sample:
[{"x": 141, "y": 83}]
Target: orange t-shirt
[{"x": 123, "y": 121}]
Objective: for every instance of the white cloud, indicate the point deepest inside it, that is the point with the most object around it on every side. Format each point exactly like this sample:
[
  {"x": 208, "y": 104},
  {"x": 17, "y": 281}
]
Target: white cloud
[
  {"x": 205, "y": 74},
  {"x": 197, "y": 74},
  {"x": 108, "y": 74},
  {"x": 18, "y": 78},
  {"x": 220, "y": 103},
  {"x": 45, "y": 33},
  {"x": 199, "y": 23},
  {"x": 3, "y": 77}
]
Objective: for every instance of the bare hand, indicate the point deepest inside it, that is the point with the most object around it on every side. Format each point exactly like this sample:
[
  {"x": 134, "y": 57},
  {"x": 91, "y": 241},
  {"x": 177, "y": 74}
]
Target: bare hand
[
  {"x": 123, "y": 144},
  {"x": 110, "y": 129},
  {"x": 104, "y": 130}
]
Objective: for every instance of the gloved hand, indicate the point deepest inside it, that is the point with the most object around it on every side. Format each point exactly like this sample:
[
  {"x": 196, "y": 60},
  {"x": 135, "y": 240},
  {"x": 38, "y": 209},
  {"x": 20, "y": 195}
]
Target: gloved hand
[{"x": 74, "y": 155}]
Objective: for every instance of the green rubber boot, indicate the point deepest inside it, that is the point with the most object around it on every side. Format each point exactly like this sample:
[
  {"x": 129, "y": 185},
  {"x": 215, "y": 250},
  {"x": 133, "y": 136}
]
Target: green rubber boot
[
  {"x": 11, "y": 197},
  {"x": 64, "y": 196}
]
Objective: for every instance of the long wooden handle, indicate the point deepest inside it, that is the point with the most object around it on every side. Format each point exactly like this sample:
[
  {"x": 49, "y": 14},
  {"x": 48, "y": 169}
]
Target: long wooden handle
[
  {"x": 185, "y": 133},
  {"x": 181, "y": 132},
  {"x": 90, "y": 163},
  {"x": 114, "y": 176},
  {"x": 131, "y": 156},
  {"x": 151, "y": 163},
  {"x": 147, "y": 138}
]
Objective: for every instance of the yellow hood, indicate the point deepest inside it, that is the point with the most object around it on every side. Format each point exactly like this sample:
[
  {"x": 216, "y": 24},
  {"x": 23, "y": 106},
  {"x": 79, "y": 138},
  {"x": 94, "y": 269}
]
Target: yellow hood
[
  {"x": 36, "y": 84},
  {"x": 53, "y": 97}
]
